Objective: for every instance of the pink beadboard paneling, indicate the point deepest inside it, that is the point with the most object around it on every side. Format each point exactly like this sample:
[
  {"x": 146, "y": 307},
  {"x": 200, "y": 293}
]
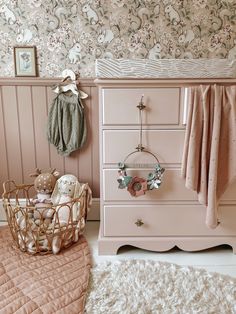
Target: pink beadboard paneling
[
  {"x": 12, "y": 133},
  {"x": 26, "y": 131},
  {"x": 3, "y": 151},
  {"x": 56, "y": 160},
  {"x": 39, "y": 105},
  {"x": 85, "y": 160},
  {"x": 24, "y": 106}
]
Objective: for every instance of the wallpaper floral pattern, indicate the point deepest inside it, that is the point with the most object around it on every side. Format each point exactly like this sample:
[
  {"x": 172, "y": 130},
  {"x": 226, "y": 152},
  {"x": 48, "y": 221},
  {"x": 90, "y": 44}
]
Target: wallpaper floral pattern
[{"x": 72, "y": 34}]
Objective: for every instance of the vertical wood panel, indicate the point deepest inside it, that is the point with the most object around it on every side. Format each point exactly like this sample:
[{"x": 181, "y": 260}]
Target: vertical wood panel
[
  {"x": 95, "y": 141},
  {"x": 26, "y": 131},
  {"x": 85, "y": 156},
  {"x": 23, "y": 135},
  {"x": 3, "y": 151},
  {"x": 39, "y": 106},
  {"x": 12, "y": 133},
  {"x": 71, "y": 164},
  {"x": 57, "y": 161}
]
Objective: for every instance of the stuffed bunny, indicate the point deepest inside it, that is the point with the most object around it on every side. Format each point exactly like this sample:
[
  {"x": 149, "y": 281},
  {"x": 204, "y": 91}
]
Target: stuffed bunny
[
  {"x": 66, "y": 189},
  {"x": 44, "y": 185}
]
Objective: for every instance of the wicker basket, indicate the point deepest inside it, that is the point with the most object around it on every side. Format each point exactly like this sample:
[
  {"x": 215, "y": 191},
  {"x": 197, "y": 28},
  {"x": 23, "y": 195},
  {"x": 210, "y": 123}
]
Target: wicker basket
[{"x": 43, "y": 237}]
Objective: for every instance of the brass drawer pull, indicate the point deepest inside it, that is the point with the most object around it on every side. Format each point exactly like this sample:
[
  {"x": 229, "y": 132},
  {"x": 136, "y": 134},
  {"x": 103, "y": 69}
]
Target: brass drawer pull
[
  {"x": 139, "y": 223},
  {"x": 141, "y": 105}
]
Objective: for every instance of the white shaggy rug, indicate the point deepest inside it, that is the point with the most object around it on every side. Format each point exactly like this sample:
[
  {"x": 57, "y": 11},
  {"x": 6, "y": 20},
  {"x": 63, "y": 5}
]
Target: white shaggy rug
[{"x": 146, "y": 287}]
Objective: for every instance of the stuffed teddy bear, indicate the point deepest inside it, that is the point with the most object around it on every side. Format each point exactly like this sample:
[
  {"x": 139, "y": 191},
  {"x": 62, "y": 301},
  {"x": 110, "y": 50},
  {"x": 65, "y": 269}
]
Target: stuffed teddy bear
[{"x": 44, "y": 185}]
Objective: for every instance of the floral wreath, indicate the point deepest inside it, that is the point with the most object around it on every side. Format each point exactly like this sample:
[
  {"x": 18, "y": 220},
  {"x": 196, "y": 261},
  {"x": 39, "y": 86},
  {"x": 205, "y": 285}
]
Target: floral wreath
[{"x": 138, "y": 186}]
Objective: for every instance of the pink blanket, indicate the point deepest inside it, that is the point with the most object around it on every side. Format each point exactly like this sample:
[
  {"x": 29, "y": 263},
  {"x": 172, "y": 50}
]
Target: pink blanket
[
  {"x": 52, "y": 284},
  {"x": 209, "y": 157}
]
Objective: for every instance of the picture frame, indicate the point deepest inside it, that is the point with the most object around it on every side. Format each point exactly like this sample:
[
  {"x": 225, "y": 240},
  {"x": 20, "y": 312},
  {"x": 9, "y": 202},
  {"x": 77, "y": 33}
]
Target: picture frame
[{"x": 25, "y": 61}]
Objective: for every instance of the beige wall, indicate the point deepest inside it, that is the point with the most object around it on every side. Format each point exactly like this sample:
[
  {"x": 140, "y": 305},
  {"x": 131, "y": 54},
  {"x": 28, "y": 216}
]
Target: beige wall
[
  {"x": 24, "y": 105},
  {"x": 72, "y": 34}
]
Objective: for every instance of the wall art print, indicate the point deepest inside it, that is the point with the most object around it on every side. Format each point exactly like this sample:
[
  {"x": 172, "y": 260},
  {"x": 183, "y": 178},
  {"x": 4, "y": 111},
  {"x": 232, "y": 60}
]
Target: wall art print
[
  {"x": 25, "y": 61},
  {"x": 72, "y": 34}
]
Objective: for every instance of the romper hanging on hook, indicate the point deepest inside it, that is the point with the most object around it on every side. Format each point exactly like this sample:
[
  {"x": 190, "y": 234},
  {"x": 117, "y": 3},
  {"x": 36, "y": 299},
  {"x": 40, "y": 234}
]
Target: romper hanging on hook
[
  {"x": 69, "y": 82},
  {"x": 66, "y": 128},
  {"x": 135, "y": 185}
]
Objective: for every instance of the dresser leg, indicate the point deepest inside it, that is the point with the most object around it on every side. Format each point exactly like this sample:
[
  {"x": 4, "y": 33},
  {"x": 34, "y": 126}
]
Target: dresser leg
[
  {"x": 107, "y": 248},
  {"x": 234, "y": 248}
]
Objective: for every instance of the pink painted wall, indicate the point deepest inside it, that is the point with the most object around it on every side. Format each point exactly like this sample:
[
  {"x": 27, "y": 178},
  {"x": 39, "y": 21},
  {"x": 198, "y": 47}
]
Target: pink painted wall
[{"x": 24, "y": 104}]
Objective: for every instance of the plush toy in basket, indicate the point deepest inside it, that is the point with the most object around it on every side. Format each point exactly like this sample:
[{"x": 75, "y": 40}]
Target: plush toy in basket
[
  {"x": 44, "y": 184},
  {"x": 47, "y": 223},
  {"x": 66, "y": 190}
]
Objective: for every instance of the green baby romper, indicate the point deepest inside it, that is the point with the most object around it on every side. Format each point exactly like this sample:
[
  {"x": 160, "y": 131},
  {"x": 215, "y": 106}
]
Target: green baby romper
[{"x": 66, "y": 128}]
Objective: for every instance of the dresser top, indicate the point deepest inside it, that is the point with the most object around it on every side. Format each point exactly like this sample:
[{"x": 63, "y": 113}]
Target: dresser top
[{"x": 141, "y": 82}]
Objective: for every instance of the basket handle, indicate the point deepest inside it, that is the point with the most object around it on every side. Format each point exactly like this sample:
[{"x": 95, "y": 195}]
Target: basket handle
[
  {"x": 10, "y": 186},
  {"x": 6, "y": 186}
]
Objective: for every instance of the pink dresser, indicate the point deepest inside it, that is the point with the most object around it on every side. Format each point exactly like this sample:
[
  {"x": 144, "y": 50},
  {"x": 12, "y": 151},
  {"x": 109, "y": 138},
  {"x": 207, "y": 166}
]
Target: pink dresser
[{"x": 167, "y": 217}]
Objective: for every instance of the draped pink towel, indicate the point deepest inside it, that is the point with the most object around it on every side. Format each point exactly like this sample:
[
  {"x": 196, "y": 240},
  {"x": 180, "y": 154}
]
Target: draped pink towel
[{"x": 209, "y": 156}]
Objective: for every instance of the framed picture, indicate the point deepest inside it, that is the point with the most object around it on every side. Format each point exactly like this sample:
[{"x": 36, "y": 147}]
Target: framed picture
[{"x": 25, "y": 61}]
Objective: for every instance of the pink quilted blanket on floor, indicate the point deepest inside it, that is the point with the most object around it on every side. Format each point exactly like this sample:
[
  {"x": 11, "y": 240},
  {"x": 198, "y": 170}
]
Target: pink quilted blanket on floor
[{"x": 43, "y": 283}]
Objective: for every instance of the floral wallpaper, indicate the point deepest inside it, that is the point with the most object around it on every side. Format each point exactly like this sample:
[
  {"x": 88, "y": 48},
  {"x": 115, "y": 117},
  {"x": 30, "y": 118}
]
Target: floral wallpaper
[{"x": 72, "y": 34}]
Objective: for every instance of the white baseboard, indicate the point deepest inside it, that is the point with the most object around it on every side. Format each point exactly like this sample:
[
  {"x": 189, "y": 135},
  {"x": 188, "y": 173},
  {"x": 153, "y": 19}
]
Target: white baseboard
[{"x": 94, "y": 213}]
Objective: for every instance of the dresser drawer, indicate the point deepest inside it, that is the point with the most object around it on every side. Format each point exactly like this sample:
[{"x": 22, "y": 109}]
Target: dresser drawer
[
  {"x": 166, "y": 220},
  {"x": 230, "y": 193},
  {"x": 172, "y": 188},
  {"x": 167, "y": 145},
  {"x": 162, "y": 106}
]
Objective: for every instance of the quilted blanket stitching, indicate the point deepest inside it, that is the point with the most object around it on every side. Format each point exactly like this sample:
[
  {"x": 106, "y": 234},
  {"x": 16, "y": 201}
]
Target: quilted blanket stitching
[{"x": 83, "y": 259}]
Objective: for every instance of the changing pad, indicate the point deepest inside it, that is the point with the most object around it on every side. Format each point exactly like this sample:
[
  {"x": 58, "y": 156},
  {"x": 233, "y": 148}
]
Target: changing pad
[{"x": 165, "y": 68}]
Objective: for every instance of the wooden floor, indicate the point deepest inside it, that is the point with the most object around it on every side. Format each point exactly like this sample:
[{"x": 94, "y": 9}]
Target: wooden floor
[{"x": 220, "y": 259}]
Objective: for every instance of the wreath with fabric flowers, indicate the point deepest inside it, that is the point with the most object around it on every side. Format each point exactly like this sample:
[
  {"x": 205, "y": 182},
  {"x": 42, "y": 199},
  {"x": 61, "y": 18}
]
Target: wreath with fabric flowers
[{"x": 138, "y": 186}]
